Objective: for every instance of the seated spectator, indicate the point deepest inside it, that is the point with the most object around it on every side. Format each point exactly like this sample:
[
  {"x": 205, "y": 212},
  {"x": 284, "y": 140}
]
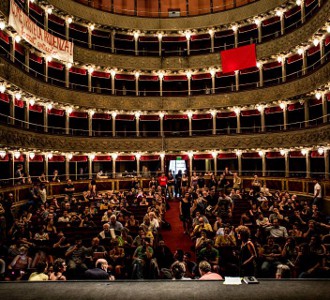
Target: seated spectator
[
  {"x": 276, "y": 230},
  {"x": 116, "y": 258},
  {"x": 202, "y": 225},
  {"x": 40, "y": 274},
  {"x": 65, "y": 218},
  {"x": 191, "y": 266},
  {"x": 132, "y": 222},
  {"x": 114, "y": 224},
  {"x": 56, "y": 177},
  {"x": 75, "y": 256},
  {"x": 271, "y": 255},
  {"x": 205, "y": 271},
  {"x": 105, "y": 233},
  {"x": 210, "y": 254},
  {"x": 43, "y": 178},
  {"x": 100, "y": 272},
  {"x": 178, "y": 270},
  {"x": 58, "y": 269},
  {"x": 227, "y": 239},
  {"x": 20, "y": 264},
  {"x": 141, "y": 259},
  {"x": 69, "y": 188}
]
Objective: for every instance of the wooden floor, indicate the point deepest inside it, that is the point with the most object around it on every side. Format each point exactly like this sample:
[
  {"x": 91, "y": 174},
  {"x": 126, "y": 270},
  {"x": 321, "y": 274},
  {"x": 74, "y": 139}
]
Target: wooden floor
[{"x": 176, "y": 290}]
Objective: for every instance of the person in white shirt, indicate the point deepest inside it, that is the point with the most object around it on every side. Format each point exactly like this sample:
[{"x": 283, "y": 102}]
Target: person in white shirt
[{"x": 317, "y": 197}]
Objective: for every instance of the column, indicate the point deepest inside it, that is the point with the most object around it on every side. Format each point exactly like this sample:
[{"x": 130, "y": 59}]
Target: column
[
  {"x": 46, "y": 20},
  {"x": 113, "y": 75},
  {"x": 235, "y": 29},
  {"x": 67, "y": 166},
  {"x": 114, "y": 158},
  {"x": 302, "y": 5},
  {"x": 322, "y": 45},
  {"x": 189, "y": 83},
  {"x": 258, "y": 23},
  {"x": 137, "y": 123},
  {"x": 285, "y": 116},
  {"x": 27, "y": 163},
  {"x": 67, "y": 28},
  {"x": 90, "y": 31},
  {"x": 114, "y": 114},
  {"x": 237, "y": 80},
  {"x": 161, "y": 124},
  {"x": 215, "y": 162},
  {"x": 27, "y": 60},
  {"x": 324, "y": 108},
  {"x": 113, "y": 49},
  {"x": 190, "y": 122},
  {"x": 67, "y": 120},
  {"x": 45, "y": 112},
  {"x": 138, "y": 156},
  {"x": 287, "y": 164},
  {"x": 26, "y": 114},
  {"x": 326, "y": 163},
  {"x": 12, "y": 49},
  {"x": 239, "y": 162},
  {"x": 90, "y": 165},
  {"x": 262, "y": 118},
  {"x": 308, "y": 164},
  {"x": 238, "y": 119},
  {"x": 90, "y": 71},
  {"x": 27, "y": 7},
  {"x": 212, "y": 72},
  {"x": 12, "y": 110},
  {"x": 90, "y": 122},
  {"x": 162, "y": 162},
  {"x": 47, "y": 60},
  {"x": 46, "y": 157},
  {"x": 67, "y": 74},
  {"x": 136, "y": 43},
  {"x": 306, "y": 112},
  {"x": 161, "y": 76},
  {"x": 160, "y": 37},
  {"x": 214, "y": 122},
  {"x": 281, "y": 15},
  {"x": 263, "y": 158},
  {"x": 211, "y": 32},
  {"x": 283, "y": 69},
  {"x": 261, "y": 75},
  {"x": 190, "y": 155},
  {"x": 12, "y": 167},
  {"x": 137, "y": 75},
  {"x": 188, "y": 35},
  {"x": 304, "y": 65}
]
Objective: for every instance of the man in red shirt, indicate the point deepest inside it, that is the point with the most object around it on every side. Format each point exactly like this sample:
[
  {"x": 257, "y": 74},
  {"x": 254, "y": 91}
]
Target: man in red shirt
[{"x": 162, "y": 182}]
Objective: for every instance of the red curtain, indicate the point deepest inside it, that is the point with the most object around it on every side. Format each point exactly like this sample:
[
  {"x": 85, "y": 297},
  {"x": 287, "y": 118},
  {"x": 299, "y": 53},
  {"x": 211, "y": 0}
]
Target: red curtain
[
  {"x": 202, "y": 116},
  {"x": 35, "y": 108},
  {"x": 102, "y": 116},
  {"x": 227, "y": 156},
  {"x": 238, "y": 58},
  {"x": 175, "y": 117},
  {"x": 125, "y": 117},
  {"x": 202, "y": 156},
  {"x": 79, "y": 114},
  {"x": 149, "y": 158},
  {"x": 149, "y": 118},
  {"x": 103, "y": 158},
  {"x": 4, "y": 97},
  {"x": 125, "y": 158},
  {"x": 79, "y": 158},
  {"x": 57, "y": 158},
  {"x": 56, "y": 112}
]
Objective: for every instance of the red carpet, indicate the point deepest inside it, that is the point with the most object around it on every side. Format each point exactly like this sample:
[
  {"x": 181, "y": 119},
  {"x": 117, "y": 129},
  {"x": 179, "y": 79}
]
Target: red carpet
[{"x": 175, "y": 238}]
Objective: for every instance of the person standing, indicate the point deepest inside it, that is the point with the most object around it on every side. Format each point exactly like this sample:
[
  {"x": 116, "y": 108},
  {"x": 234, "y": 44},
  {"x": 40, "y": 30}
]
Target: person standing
[
  {"x": 317, "y": 196},
  {"x": 162, "y": 182}
]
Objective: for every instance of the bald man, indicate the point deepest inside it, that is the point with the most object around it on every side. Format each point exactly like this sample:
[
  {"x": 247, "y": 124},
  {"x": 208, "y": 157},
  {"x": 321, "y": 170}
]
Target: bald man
[{"x": 100, "y": 272}]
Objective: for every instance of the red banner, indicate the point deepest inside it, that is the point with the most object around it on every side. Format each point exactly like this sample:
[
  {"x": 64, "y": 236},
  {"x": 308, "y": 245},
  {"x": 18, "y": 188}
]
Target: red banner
[{"x": 238, "y": 58}]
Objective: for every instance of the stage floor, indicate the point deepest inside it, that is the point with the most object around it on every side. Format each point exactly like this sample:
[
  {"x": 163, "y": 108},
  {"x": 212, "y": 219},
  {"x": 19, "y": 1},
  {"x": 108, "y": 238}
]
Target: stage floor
[{"x": 134, "y": 290}]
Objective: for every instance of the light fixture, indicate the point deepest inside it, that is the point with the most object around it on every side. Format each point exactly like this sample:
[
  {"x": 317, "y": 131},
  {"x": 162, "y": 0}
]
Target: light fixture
[
  {"x": 91, "y": 156},
  {"x": 261, "y": 153},
  {"x": 69, "y": 110},
  {"x": 260, "y": 108},
  {"x": 113, "y": 73},
  {"x": 32, "y": 102},
  {"x": 259, "y": 65},
  {"x": 18, "y": 96},
  {"x": 316, "y": 41},
  {"x": 279, "y": 13},
  {"x": 189, "y": 114},
  {"x": 211, "y": 31},
  {"x": 188, "y": 74},
  {"x": 318, "y": 95},
  {"x": 160, "y": 36},
  {"x": 237, "y": 110},
  {"x": 50, "y": 155},
  {"x": 17, "y": 154},
  {"x": 49, "y": 10},
  {"x": 257, "y": 21},
  {"x": 303, "y": 151},
  {"x": 114, "y": 156},
  {"x": 49, "y": 106},
  {"x": 2, "y": 88},
  {"x": 282, "y": 152},
  {"x": 161, "y": 115},
  {"x": 2, "y": 154},
  {"x": 32, "y": 155},
  {"x": 212, "y": 72},
  {"x": 188, "y": 35},
  {"x": 137, "y": 75},
  {"x": 161, "y": 75},
  {"x": 17, "y": 38},
  {"x": 138, "y": 156},
  {"x": 282, "y": 105},
  {"x": 91, "y": 27},
  {"x": 91, "y": 112},
  {"x": 190, "y": 154},
  {"x": 328, "y": 28},
  {"x": 234, "y": 28},
  {"x": 320, "y": 151},
  {"x": 69, "y": 65},
  {"x": 136, "y": 35},
  {"x": 213, "y": 112},
  {"x": 90, "y": 69},
  {"x": 114, "y": 114},
  {"x": 162, "y": 155},
  {"x": 214, "y": 154},
  {"x": 69, "y": 19},
  {"x": 298, "y": 2},
  {"x": 69, "y": 156},
  {"x": 49, "y": 58},
  {"x": 2, "y": 25},
  {"x": 137, "y": 115},
  {"x": 300, "y": 51},
  {"x": 279, "y": 59},
  {"x": 238, "y": 152}
]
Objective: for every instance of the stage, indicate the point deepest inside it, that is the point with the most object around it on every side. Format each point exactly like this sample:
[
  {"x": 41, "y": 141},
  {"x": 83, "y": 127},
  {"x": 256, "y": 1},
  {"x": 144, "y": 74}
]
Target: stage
[{"x": 134, "y": 290}]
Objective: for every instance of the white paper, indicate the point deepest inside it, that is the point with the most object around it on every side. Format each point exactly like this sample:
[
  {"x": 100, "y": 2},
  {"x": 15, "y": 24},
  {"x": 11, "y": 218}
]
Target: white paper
[{"x": 232, "y": 280}]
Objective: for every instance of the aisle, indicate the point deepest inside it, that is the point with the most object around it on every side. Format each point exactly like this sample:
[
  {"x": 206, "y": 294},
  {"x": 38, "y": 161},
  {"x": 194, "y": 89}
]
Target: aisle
[{"x": 175, "y": 238}]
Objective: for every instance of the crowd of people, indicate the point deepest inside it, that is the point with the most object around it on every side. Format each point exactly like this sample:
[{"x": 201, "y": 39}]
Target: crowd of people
[{"x": 118, "y": 234}]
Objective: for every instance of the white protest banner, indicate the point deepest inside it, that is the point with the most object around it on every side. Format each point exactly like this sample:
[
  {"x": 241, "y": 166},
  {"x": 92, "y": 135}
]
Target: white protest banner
[{"x": 42, "y": 40}]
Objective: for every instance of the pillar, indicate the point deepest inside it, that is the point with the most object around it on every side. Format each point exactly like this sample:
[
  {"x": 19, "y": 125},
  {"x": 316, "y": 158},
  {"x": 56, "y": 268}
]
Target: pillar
[
  {"x": 324, "y": 108},
  {"x": 188, "y": 43},
  {"x": 239, "y": 162},
  {"x": 322, "y": 45},
  {"x": 161, "y": 124},
  {"x": 67, "y": 167},
  {"x": 45, "y": 112},
  {"x": 215, "y": 163},
  {"x": 326, "y": 163},
  {"x": 46, "y": 20},
  {"x": 160, "y": 37},
  {"x": 136, "y": 44},
  {"x": 90, "y": 123},
  {"x": 259, "y": 32},
  {"x": 27, "y": 60},
  {"x": 138, "y": 156},
  {"x": 237, "y": 80},
  {"x": 67, "y": 74},
  {"x": 89, "y": 74},
  {"x": 211, "y": 32},
  {"x": 114, "y": 123},
  {"x": 190, "y": 165},
  {"x": 46, "y": 165},
  {"x": 282, "y": 23},
  {"x": 27, "y": 164},
  {"x": 287, "y": 164},
  {"x": 137, "y": 75},
  {"x": 67, "y": 121},
  {"x": 308, "y": 164},
  {"x": 304, "y": 65},
  {"x": 26, "y": 115},
  {"x": 263, "y": 158},
  {"x": 90, "y": 31},
  {"x": 303, "y": 14},
  {"x": 261, "y": 76},
  {"x": 161, "y": 85},
  {"x": 306, "y": 112},
  {"x": 137, "y": 124},
  {"x": 12, "y": 167},
  {"x": 262, "y": 117},
  {"x": 213, "y": 81},
  {"x": 114, "y": 157},
  {"x": 162, "y": 162},
  {"x": 285, "y": 117},
  {"x": 12, "y": 110},
  {"x": 238, "y": 119},
  {"x": 46, "y": 68},
  {"x": 67, "y": 29},
  {"x": 214, "y": 123},
  {"x": 190, "y": 123},
  {"x": 12, "y": 49},
  {"x": 90, "y": 166},
  {"x": 236, "y": 36},
  {"x": 113, "y": 49},
  {"x": 283, "y": 69},
  {"x": 189, "y": 84}
]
